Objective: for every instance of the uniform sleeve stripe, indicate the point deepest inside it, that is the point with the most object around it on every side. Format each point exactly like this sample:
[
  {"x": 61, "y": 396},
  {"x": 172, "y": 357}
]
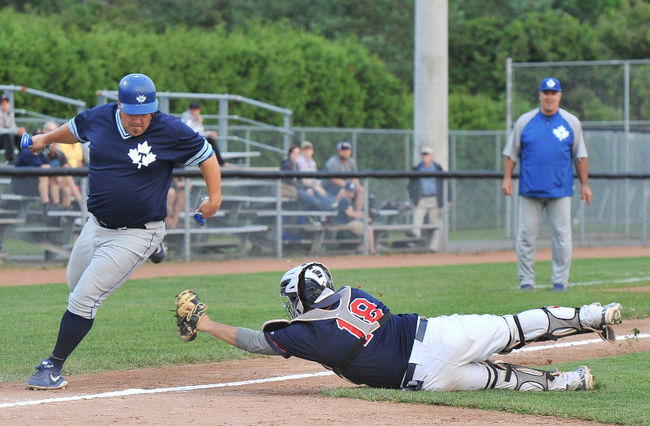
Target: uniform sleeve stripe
[
  {"x": 205, "y": 153},
  {"x": 73, "y": 128}
]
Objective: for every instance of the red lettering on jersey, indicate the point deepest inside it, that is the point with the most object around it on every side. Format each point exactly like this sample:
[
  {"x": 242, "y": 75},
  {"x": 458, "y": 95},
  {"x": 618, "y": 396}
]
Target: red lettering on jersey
[
  {"x": 365, "y": 310},
  {"x": 344, "y": 325}
]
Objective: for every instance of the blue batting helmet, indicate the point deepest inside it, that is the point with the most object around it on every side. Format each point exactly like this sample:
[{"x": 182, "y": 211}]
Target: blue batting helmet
[{"x": 137, "y": 95}]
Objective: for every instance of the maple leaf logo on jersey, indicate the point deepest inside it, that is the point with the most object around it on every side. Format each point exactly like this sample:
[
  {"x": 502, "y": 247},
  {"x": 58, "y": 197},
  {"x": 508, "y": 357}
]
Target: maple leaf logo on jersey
[
  {"x": 561, "y": 133},
  {"x": 141, "y": 98},
  {"x": 143, "y": 155}
]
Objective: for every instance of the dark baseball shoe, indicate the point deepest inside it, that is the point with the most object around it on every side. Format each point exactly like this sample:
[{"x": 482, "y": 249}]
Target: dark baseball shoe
[
  {"x": 158, "y": 255},
  {"x": 559, "y": 287},
  {"x": 47, "y": 377}
]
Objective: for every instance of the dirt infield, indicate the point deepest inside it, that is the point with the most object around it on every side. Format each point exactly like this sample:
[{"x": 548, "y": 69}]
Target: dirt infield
[{"x": 296, "y": 401}]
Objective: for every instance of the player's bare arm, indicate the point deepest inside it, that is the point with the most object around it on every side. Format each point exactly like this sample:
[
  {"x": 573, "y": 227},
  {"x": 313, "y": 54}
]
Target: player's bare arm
[
  {"x": 508, "y": 167},
  {"x": 582, "y": 167},
  {"x": 61, "y": 134},
  {"x": 212, "y": 175}
]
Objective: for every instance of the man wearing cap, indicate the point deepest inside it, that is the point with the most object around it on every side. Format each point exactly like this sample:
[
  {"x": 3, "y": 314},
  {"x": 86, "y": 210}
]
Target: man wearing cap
[
  {"x": 547, "y": 142},
  {"x": 133, "y": 150},
  {"x": 426, "y": 193},
  {"x": 343, "y": 162},
  {"x": 9, "y": 133}
]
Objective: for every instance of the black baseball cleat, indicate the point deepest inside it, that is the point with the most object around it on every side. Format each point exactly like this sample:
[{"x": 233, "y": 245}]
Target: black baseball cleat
[{"x": 158, "y": 255}]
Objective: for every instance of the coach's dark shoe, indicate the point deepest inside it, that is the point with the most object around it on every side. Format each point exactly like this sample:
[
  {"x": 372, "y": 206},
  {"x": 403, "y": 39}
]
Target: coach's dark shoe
[
  {"x": 47, "y": 377},
  {"x": 559, "y": 287},
  {"x": 158, "y": 255},
  {"x": 526, "y": 287}
]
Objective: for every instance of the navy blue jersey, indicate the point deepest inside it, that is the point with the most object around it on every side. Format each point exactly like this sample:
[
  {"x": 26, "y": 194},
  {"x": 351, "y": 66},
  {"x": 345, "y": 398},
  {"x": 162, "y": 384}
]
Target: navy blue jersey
[
  {"x": 381, "y": 363},
  {"x": 27, "y": 158},
  {"x": 129, "y": 176}
]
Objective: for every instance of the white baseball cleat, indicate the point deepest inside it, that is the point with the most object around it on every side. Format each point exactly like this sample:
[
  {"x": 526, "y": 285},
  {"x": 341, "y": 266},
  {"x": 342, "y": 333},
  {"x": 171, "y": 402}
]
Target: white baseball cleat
[
  {"x": 599, "y": 319},
  {"x": 578, "y": 379},
  {"x": 595, "y": 316}
]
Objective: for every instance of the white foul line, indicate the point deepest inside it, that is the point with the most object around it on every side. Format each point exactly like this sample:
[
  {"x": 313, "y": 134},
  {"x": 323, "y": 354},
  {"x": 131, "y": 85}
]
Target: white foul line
[{"x": 129, "y": 392}]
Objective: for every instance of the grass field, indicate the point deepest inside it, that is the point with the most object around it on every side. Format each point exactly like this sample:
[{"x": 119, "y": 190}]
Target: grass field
[{"x": 136, "y": 328}]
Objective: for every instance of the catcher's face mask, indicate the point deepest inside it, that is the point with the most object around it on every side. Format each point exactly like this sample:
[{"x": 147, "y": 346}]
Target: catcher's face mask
[{"x": 306, "y": 286}]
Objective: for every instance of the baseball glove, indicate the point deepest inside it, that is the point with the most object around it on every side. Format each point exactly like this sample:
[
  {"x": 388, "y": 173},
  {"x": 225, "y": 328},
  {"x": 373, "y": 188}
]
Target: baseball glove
[{"x": 189, "y": 311}]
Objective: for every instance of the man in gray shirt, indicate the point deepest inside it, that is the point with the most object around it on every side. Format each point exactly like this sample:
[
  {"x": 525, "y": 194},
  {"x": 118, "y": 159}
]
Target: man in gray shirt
[
  {"x": 9, "y": 133},
  {"x": 343, "y": 162}
]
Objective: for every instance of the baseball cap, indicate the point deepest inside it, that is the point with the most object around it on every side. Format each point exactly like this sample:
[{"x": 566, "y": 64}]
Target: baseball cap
[
  {"x": 426, "y": 150},
  {"x": 351, "y": 186},
  {"x": 194, "y": 105},
  {"x": 4, "y": 98},
  {"x": 307, "y": 144},
  {"x": 343, "y": 145},
  {"x": 550, "y": 83}
]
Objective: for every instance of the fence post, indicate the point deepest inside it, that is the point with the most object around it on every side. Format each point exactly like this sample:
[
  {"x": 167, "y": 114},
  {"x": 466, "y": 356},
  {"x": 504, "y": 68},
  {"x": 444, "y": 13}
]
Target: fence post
[
  {"x": 223, "y": 125},
  {"x": 278, "y": 219},
  {"x": 187, "y": 237},
  {"x": 644, "y": 212},
  {"x": 366, "y": 190},
  {"x": 445, "y": 215}
]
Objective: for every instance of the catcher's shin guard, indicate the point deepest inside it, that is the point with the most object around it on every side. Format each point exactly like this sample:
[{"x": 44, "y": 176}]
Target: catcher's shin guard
[
  {"x": 502, "y": 375},
  {"x": 558, "y": 321}
]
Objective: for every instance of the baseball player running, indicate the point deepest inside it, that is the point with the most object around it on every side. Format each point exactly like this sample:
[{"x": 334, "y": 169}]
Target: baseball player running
[
  {"x": 355, "y": 335},
  {"x": 133, "y": 148}
]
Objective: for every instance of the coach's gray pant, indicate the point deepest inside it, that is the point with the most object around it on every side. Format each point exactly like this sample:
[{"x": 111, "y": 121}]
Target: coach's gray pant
[{"x": 558, "y": 211}]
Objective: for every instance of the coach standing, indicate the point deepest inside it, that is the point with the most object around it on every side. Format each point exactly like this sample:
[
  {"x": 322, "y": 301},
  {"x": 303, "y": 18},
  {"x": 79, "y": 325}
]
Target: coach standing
[
  {"x": 133, "y": 149},
  {"x": 547, "y": 141}
]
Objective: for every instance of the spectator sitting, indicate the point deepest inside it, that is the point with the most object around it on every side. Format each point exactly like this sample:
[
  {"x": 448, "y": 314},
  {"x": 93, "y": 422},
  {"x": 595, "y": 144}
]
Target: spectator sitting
[
  {"x": 62, "y": 188},
  {"x": 73, "y": 153},
  {"x": 31, "y": 185},
  {"x": 306, "y": 163},
  {"x": 306, "y": 196},
  {"x": 175, "y": 202},
  {"x": 9, "y": 134},
  {"x": 193, "y": 118},
  {"x": 352, "y": 220},
  {"x": 342, "y": 162}
]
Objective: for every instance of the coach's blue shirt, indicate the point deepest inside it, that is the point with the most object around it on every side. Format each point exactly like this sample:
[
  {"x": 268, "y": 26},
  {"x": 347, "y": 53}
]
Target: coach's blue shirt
[
  {"x": 129, "y": 176},
  {"x": 547, "y": 146},
  {"x": 381, "y": 363}
]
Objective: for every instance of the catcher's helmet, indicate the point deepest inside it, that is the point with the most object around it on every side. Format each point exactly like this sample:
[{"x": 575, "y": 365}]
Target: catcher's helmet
[
  {"x": 137, "y": 95},
  {"x": 307, "y": 286}
]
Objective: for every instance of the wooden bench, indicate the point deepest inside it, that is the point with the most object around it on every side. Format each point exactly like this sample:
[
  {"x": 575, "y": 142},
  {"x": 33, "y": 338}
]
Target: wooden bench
[
  {"x": 17, "y": 205},
  {"x": 53, "y": 233},
  {"x": 321, "y": 237},
  {"x": 243, "y": 234},
  {"x": 6, "y": 225}
]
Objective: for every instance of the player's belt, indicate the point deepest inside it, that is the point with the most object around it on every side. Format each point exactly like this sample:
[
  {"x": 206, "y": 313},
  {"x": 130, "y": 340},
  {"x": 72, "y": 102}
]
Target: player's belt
[
  {"x": 107, "y": 226},
  {"x": 407, "y": 381}
]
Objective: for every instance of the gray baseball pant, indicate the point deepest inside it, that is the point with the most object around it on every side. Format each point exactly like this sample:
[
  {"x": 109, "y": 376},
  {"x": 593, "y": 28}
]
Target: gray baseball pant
[{"x": 558, "y": 211}]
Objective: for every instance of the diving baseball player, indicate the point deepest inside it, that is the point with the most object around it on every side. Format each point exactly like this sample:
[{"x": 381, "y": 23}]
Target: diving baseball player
[
  {"x": 356, "y": 336},
  {"x": 133, "y": 148}
]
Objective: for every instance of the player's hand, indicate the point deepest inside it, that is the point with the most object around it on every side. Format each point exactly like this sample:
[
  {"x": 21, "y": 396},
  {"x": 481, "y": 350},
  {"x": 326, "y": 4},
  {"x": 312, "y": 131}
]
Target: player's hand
[
  {"x": 506, "y": 187},
  {"x": 586, "y": 194},
  {"x": 37, "y": 142},
  {"x": 209, "y": 206}
]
